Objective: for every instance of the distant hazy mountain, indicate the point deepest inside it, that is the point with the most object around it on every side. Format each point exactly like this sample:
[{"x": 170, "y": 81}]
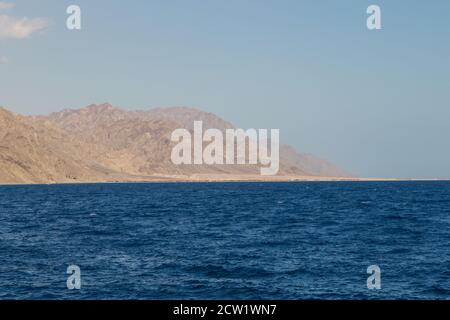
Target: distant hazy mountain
[{"x": 105, "y": 143}]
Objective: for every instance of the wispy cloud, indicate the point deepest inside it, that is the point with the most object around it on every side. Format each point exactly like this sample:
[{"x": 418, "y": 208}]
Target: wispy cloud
[
  {"x": 12, "y": 27},
  {"x": 6, "y": 5},
  {"x": 19, "y": 28}
]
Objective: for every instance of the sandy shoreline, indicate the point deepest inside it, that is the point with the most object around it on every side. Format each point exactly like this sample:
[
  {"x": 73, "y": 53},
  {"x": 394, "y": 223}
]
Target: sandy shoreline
[{"x": 220, "y": 178}]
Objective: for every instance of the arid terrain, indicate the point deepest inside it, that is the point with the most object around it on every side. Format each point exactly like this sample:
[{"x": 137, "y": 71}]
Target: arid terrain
[{"x": 102, "y": 143}]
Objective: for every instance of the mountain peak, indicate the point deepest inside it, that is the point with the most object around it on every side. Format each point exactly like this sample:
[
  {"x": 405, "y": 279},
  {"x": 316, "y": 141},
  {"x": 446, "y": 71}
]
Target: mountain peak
[{"x": 101, "y": 107}]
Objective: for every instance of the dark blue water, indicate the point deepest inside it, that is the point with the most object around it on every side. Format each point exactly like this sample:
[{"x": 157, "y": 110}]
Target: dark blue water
[{"x": 226, "y": 240}]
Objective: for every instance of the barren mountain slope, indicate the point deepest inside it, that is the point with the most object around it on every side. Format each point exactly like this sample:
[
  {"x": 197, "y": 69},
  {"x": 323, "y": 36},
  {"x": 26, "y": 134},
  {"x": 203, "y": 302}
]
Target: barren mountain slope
[
  {"x": 33, "y": 151},
  {"x": 141, "y": 138},
  {"x": 291, "y": 161},
  {"x": 105, "y": 143},
  {"x": 145, "y": 137}
]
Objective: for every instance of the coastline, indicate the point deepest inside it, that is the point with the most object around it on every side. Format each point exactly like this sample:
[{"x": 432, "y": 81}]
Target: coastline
[{"x": 223, "y": 179}]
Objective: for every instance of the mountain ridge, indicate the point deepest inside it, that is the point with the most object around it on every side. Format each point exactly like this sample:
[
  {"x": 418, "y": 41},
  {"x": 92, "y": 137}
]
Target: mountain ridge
[{"x": 104, "y": 143}]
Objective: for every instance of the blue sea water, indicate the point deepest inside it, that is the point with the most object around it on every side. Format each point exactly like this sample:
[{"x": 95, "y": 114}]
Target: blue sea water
[{"x": 305, "y": 240}]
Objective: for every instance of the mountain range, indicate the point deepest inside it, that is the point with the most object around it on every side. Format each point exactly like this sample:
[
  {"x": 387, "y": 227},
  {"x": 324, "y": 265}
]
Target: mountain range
[{"x": 103, "y": 143}]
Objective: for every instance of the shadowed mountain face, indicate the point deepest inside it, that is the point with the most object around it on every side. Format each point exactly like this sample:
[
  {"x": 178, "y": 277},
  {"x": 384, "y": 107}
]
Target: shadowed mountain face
[{"x": 104, "y": 143}]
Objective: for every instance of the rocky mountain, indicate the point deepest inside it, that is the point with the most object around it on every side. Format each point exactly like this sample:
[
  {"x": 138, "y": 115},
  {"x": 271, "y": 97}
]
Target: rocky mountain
[
  {"x": 34, "y": 151},
  {"x": 105, "y": 143}
]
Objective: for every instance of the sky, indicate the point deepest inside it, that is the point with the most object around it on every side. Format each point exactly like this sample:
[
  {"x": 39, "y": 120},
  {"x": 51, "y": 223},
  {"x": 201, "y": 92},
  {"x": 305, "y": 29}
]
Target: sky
[{"x": 374, "y": 102}]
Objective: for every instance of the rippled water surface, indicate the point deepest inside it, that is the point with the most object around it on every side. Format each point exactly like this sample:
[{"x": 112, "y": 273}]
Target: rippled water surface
[{"x": 226, "y": 240}]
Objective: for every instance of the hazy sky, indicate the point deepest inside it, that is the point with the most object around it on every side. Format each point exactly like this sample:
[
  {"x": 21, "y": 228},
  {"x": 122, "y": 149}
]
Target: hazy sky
[{"x": 376, "y": 103}]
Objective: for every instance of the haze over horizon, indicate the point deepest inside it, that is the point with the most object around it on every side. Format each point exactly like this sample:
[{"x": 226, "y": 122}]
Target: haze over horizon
[{"x": 373, "y": 102}]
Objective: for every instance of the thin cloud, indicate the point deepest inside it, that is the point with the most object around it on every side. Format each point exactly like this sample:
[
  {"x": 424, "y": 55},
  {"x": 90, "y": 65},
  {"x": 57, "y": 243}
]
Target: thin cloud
[
  {"x": 6, "y": 5},
  {"x": 12, "y": 27},
  {"x": 20, "y": 27}
]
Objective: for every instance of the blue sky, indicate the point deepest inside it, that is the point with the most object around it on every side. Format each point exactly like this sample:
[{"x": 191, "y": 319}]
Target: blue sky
[{"x": 374, "y": 102}]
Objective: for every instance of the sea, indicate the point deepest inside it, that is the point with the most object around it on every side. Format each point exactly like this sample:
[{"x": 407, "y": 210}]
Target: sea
[{"x": 286, "y": 240}]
